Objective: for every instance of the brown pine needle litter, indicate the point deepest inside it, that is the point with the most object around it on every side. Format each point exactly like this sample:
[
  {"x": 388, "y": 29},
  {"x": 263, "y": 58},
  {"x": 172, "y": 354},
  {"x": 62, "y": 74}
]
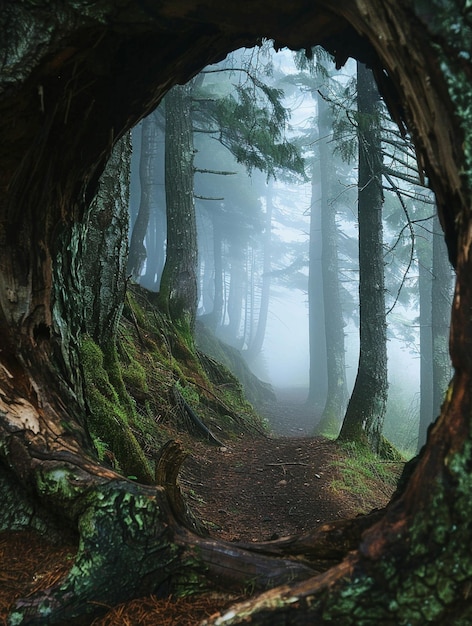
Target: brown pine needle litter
[
  {"x": 29, "y": 563},
  {"x": 150, "y": 611}
]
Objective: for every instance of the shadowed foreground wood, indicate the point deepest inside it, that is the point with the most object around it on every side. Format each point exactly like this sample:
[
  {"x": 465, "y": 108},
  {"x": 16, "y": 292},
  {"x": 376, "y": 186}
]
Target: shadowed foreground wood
[{"x": 142, "y": 536}]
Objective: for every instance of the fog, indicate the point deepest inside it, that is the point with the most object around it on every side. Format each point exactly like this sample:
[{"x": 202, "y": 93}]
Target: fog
[{"x": 257, "y": 221}]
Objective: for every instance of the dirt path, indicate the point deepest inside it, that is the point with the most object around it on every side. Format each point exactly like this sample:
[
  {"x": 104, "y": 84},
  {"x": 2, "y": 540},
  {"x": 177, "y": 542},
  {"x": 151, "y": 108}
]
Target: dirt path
[
  {"x": 260, "y": 489},
  {"x": 289, "y": 416},
  {"x": 257, "y": 489}
]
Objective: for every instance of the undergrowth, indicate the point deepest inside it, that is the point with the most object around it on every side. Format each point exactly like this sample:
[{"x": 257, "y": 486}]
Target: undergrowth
[
  {"x": 362, "y": 473},
  {"x": 130, "y": 390}
]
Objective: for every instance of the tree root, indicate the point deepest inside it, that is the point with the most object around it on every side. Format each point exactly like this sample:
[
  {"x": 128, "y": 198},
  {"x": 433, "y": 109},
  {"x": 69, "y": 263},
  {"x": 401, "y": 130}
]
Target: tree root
[
  {"x": 137, "y": 539},
  {"x": 188, "y": 414}
]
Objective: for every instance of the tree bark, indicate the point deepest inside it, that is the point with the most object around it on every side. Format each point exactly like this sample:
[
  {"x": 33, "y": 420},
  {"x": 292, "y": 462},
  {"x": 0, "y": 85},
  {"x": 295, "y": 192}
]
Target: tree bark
[
  {"x": 178, "y": 289},
  {"x": 366, "y": 409},
  {"x": 105, "y": 236}
]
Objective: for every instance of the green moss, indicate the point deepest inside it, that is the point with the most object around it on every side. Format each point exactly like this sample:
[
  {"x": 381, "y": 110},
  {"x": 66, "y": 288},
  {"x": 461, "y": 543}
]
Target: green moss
[
  {"x": 360, "y": 470},
  {"x": 100, "y": 446},
  {"x": 129, "y": 388},
  {"x": 388, "y": 451},
  {"x": 108, "y": 419},
  {"x": 134, "y": 376},
  {"x": 190, "y": 579},
  {"x": 329, "y": 425},
  {"x": 189, "y": 394},
  {"x": 134, "y": 309},
  {"x": 156, "y": 353}
]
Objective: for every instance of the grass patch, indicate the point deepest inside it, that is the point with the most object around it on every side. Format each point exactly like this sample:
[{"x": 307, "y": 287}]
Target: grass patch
[{"x": 365, "y": 476}]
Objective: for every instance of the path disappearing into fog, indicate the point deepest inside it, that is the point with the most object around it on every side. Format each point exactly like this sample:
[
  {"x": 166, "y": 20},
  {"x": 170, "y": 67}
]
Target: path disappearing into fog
[
  {"x": 289, "y": 416},
  {"x": 261, "y": 487}
]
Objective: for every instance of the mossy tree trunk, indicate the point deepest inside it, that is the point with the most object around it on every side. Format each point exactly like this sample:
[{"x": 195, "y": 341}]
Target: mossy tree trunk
[
  {"x": 75, "y": 78},
  {"x": 365, "y": 413},
  {"x": 178, "y": 289}
]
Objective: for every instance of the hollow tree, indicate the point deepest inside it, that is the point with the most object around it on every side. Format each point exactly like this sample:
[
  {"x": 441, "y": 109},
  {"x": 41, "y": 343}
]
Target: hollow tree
[{"x": 75, "y": 77}]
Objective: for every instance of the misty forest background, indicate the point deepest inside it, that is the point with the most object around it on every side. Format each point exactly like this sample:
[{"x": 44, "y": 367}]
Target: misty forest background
[{"x": 273, "y": 153}]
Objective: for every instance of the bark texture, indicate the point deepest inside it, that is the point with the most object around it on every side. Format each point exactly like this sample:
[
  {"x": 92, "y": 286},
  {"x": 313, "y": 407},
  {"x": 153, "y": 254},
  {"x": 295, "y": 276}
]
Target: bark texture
[
  {"x": 75, "y": 77},
  {"x": 365, "y": 413},
  {"x": 178, "y": 290}
]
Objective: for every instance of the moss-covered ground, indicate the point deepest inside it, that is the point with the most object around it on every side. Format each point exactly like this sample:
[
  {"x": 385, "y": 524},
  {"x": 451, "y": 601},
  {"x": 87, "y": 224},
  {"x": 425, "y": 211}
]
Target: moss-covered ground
[{"x": 132, "y": 389}]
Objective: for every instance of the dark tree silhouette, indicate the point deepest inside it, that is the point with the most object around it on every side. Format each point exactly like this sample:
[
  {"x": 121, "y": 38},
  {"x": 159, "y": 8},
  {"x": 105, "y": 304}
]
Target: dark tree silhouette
[{"x": 366, "y": 409}]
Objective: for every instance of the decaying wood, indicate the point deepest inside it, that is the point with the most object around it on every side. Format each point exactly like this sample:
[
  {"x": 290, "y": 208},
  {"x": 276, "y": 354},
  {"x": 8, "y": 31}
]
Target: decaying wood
[{"x": 130, "y": 534}]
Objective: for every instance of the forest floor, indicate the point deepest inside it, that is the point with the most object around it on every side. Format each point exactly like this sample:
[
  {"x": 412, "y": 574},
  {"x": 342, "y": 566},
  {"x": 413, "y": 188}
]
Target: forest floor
[{"x": 253, "y": 489}]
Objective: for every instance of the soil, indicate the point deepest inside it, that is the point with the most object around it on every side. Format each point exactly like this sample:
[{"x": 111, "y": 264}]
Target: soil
[
  {"x": 262, "y": 489},
  {"x": 252, "y": 489}
]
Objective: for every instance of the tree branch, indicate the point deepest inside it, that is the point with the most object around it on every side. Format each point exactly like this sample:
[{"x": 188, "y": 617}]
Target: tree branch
[
  {"x": 412, "y": 236},
  {"x": 219, "y": 172}
]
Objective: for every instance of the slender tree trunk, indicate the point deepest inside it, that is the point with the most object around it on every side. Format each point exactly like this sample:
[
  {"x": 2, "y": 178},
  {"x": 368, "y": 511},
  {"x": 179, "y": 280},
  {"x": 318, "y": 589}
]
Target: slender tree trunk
[
  {"x": 318, "y": 375},
  {"x": 440, "y": 317},
  {"x": 426, "y": 342},
  {"x": 178, "y": 289},
  {"x": 206, "y": 262},
  {"x": 218, "y": 299},
  {"x": 147, "y": 177},
  {"x": 366, "y": 409},
  {"x": 155, "y": 245},
  {"x": 236, "y": 259},
  {"x": 257, "y": 342},
  {"x": 336, "y": 398}
]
